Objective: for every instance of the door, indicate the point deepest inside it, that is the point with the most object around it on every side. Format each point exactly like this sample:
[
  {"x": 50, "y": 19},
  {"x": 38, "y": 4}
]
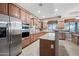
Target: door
[
  {"x": 4, "y": 35},
  {"x": 15, "y": 36}
]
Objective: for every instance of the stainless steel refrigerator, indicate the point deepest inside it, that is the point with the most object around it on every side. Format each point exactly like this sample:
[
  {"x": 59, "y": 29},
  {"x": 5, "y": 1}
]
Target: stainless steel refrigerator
[{"x": 10, "y": 36}]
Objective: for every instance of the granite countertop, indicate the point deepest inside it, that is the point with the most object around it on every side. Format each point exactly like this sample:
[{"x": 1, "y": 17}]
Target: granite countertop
[{"x": 48, "y": 36}]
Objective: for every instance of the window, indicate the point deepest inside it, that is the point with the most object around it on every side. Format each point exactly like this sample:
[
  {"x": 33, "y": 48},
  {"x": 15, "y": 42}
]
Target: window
[
  {"x": 72, "y": 26},
  {"x": 54, "y": 26},
  {"x": 77, "y": 26},
  {"x": 50, "y": 27},
  {"x": 66, "y": 27}
]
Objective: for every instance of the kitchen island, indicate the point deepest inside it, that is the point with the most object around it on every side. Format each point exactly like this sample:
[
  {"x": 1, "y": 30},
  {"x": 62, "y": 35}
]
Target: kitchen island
[{"x": 49, "y": 44}]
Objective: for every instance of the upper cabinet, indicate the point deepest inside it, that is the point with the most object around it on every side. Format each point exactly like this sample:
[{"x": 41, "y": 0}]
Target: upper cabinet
[
  {"x": 61, "y": 24},
  {"x": 14, "y": 11},
  {"x": 28, "y": 19},
  {"x": 23, "y": 16},
  {"x": 32, "y": 21},
  {"x": 44, "y": 25},
  {"x": 35, "y": 21},
  {"x": 39, "y": 25},
  {"x": 3, "y": 8}
]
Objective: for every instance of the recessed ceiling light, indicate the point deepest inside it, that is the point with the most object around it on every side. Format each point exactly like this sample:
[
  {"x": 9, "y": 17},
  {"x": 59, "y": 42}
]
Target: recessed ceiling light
[
  {"x": 56, "y": 9},
  {"x": 38, "y": 11},
  {"x": 77, "y": 17}
]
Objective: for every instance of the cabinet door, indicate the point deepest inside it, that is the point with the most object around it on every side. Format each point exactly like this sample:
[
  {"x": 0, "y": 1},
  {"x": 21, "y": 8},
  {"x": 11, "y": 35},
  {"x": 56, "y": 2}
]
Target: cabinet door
[
  {"x": 35, "y": 22},
  {"x": 62, "y": 36},
  {"x": 61, "y": 24},
  {"x": 23, "y": 16},
  {"x": 45, "y": 48},
  {"x": 32, "y": 38},
  {"x": 3, "y": 8},
  {"x": 45, "y": 26},
  {"x": 14, "y": 11},
  {"x": 28, "y": 18},
  {"x": 31, "y": 21},
  {"x": 25, "y": 42},
  {"x": 39, "y": 25}
]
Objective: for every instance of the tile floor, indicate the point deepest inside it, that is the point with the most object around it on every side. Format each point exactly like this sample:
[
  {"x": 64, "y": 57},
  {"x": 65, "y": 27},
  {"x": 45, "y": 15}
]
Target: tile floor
[
  {"x": 31, "y": 50},
  {"x": 70, "y": 48}
]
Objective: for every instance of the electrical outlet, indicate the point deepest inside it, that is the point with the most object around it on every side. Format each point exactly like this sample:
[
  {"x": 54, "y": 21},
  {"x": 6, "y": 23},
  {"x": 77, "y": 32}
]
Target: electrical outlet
[{"x": 52, "y": 46}]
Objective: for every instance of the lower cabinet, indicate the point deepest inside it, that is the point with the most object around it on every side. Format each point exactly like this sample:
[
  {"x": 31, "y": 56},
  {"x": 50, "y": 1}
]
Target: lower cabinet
[
  {"x": 33, "y": 37},
  {"x": 25, "y": 41},
  {"x": 46, "y": 49}
]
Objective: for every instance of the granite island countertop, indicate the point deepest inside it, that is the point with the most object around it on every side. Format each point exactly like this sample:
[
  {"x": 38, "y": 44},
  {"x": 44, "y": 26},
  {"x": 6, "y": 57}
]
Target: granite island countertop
[{"x": 48, "y": 36}]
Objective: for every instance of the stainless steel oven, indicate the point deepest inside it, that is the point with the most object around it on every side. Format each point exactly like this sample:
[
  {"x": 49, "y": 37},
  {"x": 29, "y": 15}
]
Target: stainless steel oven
[{"x": 25, "y": 30}]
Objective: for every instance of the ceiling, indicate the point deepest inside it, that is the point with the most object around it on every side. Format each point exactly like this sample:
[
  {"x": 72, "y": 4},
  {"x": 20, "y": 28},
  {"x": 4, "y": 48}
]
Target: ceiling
[{"x": 47, "y": 10}]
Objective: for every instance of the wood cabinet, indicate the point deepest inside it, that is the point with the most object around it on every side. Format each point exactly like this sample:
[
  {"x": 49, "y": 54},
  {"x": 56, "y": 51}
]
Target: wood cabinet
[
  {"x": 32, "y": 21},
  {"x": 14, "y": 11},
  {"x": 23, "y": 16},
  {"x": 45, "y": 48},
  {"x": 45, "y": 25},
  {"x": 35, "y": 21},
  {"x": 25, "y": 41},
  {"x": 39, "y": 25},
  {"x": 62, "y": 36},
  {"x": 61, "y": 24},
  {"x": 33, "y": 37},
  {"x": 28, "y": 19},
  {"x": 3, "y": 8}
]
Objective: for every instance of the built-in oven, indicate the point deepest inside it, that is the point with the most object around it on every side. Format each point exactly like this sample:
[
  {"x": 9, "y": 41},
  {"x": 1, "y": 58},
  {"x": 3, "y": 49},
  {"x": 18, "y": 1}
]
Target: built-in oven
[{"x": 25, "y": 30}]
